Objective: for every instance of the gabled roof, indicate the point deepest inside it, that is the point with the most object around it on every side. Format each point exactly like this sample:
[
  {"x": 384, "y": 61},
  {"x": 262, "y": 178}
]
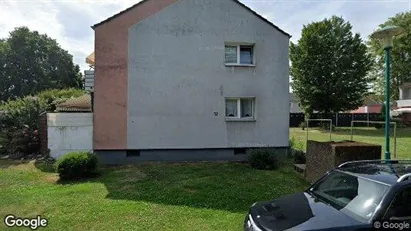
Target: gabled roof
[
  {"x": 294, "y": 97},
  {"x": 90, "y": 59},
  {"x": 237, "y": 1},
  {"x": 82, "y": 103},
  {"x": 371, "y": 100}
]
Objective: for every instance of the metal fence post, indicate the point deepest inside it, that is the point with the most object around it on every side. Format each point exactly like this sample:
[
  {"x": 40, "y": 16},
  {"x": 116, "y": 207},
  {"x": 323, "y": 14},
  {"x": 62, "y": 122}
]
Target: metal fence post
[
  {"x": 395, "y": 139},
  {"x": 368, "y": 119},
  {"x": 331, "y": 126},
  {"x": 352, "y": 124},
  {"x": 379, "y": 122},
  {"x": 306, "y": 140}
]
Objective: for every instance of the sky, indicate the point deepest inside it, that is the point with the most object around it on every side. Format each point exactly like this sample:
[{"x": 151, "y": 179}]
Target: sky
[{"x": 69, "y": 21}]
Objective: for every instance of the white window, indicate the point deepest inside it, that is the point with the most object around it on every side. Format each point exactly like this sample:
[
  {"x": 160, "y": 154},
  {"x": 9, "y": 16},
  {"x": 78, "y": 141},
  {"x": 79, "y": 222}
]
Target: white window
[
  {"x": 239, "y": 108},
  {"x": 239, "y": 54}
]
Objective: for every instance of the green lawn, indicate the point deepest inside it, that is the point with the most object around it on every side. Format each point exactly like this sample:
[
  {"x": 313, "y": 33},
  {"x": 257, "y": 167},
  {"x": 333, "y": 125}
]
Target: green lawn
[
  {"x": 368, "y": 135},
  {"x": 201, "y": 196}
]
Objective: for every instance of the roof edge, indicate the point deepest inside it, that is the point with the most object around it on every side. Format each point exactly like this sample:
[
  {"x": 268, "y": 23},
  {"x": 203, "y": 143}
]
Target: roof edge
[
  {"x": 118, "y": 14},
  {"x": 262, "y": 18},
  {"x": 237, "y": 1}
]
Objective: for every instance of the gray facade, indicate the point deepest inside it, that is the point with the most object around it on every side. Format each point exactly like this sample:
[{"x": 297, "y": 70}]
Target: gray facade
[{"x": 178, "y": 80}]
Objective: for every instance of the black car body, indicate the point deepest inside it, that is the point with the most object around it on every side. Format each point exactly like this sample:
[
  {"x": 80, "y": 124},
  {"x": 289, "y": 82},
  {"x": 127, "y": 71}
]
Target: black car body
[{"x": 358, "y": 195}]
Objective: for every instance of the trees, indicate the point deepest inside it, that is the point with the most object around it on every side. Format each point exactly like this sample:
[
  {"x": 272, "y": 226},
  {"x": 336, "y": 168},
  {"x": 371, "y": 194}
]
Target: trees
[
  {"x": 400, "y": 56},
  {"x": 329, "y": 67},
  {"x": 20, "y": 124},
  {"x": 31, "y": 62}
]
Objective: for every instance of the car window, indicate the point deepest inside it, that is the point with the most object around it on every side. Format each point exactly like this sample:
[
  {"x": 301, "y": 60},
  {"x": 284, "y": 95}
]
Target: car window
[
  {"x": 354, "y": 196},
  {"x": 401, "y": 205}
]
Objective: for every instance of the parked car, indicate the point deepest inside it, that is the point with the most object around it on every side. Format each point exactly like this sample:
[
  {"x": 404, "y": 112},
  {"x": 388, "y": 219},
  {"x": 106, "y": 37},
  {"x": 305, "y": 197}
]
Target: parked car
[{"x": 358, "y": 195}]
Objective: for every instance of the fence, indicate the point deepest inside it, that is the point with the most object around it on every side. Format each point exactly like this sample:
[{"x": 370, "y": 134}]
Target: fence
[{"x": 339, "y": 119}]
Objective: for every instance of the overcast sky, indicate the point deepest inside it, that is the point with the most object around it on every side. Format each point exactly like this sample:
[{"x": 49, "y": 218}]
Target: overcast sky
[{"x": 69, "y": 21}]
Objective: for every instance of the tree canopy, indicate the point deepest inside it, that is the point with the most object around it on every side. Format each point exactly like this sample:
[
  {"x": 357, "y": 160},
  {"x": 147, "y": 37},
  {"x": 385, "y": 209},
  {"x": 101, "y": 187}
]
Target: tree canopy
[
  {"x": 31, "y": 62},
  {"x": 329, "y": 66},
  {"x": 400, "y": 57}
]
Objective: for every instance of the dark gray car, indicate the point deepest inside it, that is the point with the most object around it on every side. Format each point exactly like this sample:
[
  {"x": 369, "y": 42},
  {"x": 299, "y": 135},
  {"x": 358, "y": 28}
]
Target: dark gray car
[{"x": 358, "y": 195}]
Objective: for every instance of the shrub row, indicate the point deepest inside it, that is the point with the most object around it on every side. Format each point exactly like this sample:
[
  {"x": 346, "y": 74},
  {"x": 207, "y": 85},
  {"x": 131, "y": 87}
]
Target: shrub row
[
  {"x": 77, "y": 165},
  {"x": 270, "y": 159},
  {"x": 19, "y": 120},
  {"x": 263, "y": 159}
]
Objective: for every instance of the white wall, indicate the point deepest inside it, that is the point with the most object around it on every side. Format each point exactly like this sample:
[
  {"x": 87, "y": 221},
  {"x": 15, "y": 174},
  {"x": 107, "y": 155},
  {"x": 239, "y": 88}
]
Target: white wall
[
  {"x": 178, "y": 81},
  {"x": 295, "y": 108},
  {"x": 68, "y": 132}
]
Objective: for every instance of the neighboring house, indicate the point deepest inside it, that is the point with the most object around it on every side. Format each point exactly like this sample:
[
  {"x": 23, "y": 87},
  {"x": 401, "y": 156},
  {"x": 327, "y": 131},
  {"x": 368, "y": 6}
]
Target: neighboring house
[
  {"x": 404, "y": 103},
  {"x": 295, "y": 105},
  {"x": 69, "y": 128},
  {"x": 371, "y": 105},
  {"x": 79, "y": 104},
  {"x": 179, "y": 80},
  {"x": 90, "y": 60},
  {"x": 405, "y": 96}
]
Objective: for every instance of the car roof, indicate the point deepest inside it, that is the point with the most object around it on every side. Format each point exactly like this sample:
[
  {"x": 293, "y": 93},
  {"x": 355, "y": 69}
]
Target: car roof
[{"x": 383, "y": 172}]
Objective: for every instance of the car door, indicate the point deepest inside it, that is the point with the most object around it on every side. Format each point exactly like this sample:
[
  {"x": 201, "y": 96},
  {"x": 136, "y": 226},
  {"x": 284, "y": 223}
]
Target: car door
[{"x": 400, "y": 208}]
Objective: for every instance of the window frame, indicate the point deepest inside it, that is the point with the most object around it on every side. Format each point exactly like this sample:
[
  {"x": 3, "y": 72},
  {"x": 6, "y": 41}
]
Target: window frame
[
  {"x": 238, "y": 46},
  {"x": 393, "y": 200},
  {"x": 238, "y": 117}
]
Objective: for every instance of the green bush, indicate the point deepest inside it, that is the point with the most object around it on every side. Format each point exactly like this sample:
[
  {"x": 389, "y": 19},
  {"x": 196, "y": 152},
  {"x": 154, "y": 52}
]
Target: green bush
[
  {"x": 326, "y": 126},
  {"x": 20, "y": 113},
  {"x": 77, "y": 165},
  {"x": 19, "y": 120},
  {"x": 19, "y": 143},
  {"x": 50, "y": 98},
  {"x": 296, "y": 144},
  {"x": 303, "y": 125},
  {"x": 299, "y": 157},
  {"x": 263, "y": 159},
  {"x": 19, "y": 123}
]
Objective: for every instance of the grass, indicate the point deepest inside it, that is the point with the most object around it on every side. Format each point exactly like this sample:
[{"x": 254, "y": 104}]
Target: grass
[
  {"x": 200, "y": 196},
  {"x": 191, "y": 196},
  {"x": 362, "y": 134}
]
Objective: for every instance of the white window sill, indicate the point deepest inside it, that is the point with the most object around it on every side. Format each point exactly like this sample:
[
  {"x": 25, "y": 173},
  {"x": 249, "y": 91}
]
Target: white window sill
[
  {"x": 239, "y": 65},
  {"x": 234, "y": 119}
]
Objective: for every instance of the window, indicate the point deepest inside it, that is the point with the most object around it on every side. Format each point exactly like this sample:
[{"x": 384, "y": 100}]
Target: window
[
  {"x": 400, "y": 208},
  {"x": 239, "y": 108},
  {"x": 351, "y": 195},
  {"x": 239, "y": 54}
]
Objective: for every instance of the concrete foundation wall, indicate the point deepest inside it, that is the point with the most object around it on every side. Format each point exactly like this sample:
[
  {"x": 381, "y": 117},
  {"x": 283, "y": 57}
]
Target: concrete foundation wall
[
  {"x": 68, "y": 132},
  {"x": 128, "y": 157}
]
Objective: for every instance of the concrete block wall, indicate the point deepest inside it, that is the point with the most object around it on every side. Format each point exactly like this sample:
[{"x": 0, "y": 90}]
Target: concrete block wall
[
  {"x": 68, "y": 132},
  {"x": 324, "y": 156}
]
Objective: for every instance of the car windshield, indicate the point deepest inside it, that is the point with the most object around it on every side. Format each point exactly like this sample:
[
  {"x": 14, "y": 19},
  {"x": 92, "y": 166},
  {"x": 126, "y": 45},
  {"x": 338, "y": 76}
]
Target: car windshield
[{"x": 354, "y": 196}]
